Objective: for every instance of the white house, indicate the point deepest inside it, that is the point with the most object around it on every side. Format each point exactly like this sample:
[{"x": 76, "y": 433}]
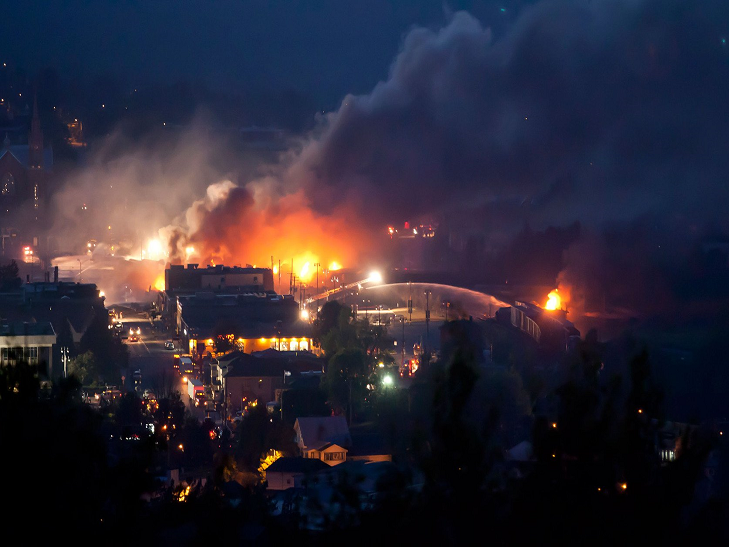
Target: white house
[{"x": 324, "y": 438}]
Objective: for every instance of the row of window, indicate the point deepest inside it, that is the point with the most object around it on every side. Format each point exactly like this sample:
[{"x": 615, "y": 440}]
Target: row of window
[
  {"x": 328, "y": 456},
  {"x": 13, "y": 355},
  {"x": 290, "y": 345}
]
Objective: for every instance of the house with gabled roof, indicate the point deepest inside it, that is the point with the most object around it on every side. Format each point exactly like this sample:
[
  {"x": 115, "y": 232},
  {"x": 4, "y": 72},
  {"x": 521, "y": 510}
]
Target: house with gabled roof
[
  {"x": 324, "y": 438},
  {"x": 290, "y": 472}
]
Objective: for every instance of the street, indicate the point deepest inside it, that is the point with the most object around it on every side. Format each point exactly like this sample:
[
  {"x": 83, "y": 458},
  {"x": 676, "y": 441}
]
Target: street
[{"x": 152, "y": 359}]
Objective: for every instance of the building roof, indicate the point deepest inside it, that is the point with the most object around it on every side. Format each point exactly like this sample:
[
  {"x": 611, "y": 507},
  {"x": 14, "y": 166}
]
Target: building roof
[
  {"x": 333, "y": 446},
  {"x": 21, "y": 152},
  {"x": 296, "y": 465},
  {"x": 243, "y": 365},
  {"x": 23, "y": 328},
  {"x": 320, "y": 430},
  {"x": 245, "y": 315},
  {"x": 367, "y": 441}
]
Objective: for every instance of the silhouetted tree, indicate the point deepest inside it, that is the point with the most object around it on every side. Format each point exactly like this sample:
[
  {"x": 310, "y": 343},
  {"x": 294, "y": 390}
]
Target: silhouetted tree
[{"x": 9, "y": 278}]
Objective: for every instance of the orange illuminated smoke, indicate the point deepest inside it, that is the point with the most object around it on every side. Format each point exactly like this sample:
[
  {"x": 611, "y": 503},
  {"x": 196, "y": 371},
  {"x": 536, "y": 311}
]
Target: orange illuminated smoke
[
  {"x": 281, "y": 230},
  {"x": 554, "y": 302}
]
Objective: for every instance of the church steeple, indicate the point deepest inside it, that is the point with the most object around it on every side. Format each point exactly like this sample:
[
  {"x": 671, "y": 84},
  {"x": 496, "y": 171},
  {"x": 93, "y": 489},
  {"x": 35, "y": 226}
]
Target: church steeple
[{"x": 35, "y": 139}]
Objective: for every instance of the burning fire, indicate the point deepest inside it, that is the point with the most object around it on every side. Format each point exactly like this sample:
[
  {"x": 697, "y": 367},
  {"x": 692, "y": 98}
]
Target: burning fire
[
  {"x": 233, "y": 225},
  {"x": 554, "y": 302},
  {"x": 159, "y": 282}
]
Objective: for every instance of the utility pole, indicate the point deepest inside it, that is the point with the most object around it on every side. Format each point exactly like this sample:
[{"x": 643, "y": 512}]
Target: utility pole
[
  {"x": 316, "y": 265},
  {"x": 350, "y": 400},
  {"x": 427, "y": 321},
  {"x": 402, "y": 346},
  {"x": 279, "y": 276},
  {"x": 410, "y": 302}
]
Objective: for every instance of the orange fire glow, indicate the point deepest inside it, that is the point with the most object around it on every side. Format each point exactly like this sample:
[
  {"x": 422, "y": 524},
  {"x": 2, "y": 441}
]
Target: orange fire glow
[
  {"x": 159, "y": 282},
  {"x": 554, "y": 302},
  {"x": 288, "y": 235}
]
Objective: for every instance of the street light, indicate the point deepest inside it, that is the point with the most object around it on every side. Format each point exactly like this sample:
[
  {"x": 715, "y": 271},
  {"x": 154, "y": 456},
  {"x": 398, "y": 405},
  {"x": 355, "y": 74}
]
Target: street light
[{"x": 375, "y": 277}]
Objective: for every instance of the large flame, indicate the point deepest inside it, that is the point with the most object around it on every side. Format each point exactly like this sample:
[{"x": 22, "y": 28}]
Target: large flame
[
  {"x": 159, "y": 283},
  {"x": 235, "y": 225},
  {"x": 554, "y": 302}
]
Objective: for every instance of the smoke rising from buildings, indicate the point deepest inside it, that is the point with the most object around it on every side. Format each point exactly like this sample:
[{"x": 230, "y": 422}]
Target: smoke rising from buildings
[
  {"x": 595, "y": 112},
  {"x": 135, "y": 207},
  {"x": 599, "y": 113}
]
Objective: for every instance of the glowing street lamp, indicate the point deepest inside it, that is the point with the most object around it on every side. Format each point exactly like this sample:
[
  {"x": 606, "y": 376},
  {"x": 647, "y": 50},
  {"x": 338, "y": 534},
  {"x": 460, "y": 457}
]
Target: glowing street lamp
[{"x": 375, "y": 277}]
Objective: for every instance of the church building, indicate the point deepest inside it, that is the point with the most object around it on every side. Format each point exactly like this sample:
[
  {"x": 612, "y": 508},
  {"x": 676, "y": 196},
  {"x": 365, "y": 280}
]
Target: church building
[{"x": 24, "y": 170}]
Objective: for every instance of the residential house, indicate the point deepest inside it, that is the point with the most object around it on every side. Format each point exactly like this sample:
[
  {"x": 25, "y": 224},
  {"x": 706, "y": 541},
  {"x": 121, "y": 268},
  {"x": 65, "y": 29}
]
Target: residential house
[
  {"x": 260, "y": 376},
  {"x": 323, "y": 438},
  {"x": 287, "y": 473}
]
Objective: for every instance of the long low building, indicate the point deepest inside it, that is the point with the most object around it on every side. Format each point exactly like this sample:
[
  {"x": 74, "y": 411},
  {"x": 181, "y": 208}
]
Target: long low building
[{"x": 250, "y": 322}]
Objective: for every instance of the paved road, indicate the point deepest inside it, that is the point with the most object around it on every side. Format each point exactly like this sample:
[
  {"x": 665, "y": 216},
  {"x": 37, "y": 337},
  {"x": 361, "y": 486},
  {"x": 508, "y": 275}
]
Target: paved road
[{"x": 152, "y": 359}]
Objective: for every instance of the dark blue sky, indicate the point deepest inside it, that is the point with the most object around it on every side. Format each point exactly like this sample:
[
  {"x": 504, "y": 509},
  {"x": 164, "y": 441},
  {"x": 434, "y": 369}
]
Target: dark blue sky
[{"x": 322, "y": 48}]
